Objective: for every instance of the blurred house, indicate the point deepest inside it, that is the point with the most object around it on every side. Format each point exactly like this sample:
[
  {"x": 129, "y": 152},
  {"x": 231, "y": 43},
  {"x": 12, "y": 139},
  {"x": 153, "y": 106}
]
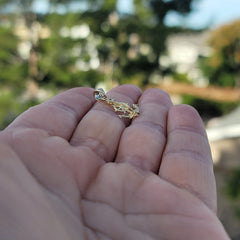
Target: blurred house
[
  {"x": 224, "y": 137},
  {"x": 183, "y": 52}
]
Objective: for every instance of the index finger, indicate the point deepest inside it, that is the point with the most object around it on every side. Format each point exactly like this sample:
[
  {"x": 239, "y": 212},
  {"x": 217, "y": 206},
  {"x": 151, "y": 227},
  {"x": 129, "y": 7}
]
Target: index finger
[{"x": 59, "y": 115}]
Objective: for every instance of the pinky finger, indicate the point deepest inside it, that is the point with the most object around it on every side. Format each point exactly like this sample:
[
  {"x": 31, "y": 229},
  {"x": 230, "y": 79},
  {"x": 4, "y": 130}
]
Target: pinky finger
[{"x": 187, "y": 161}]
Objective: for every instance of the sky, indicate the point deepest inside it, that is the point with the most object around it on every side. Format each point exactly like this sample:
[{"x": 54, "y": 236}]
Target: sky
[
  {"x": 206, "y": 13},
  {"x": 210, "y": 12}
]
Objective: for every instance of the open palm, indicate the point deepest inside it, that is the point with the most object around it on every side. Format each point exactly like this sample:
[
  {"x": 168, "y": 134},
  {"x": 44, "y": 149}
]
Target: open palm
[{"x": 71, "y": 169}]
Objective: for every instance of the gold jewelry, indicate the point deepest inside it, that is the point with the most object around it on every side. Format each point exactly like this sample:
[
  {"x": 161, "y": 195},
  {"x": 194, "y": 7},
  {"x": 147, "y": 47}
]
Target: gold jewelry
[{"x": 119, "y": 107}]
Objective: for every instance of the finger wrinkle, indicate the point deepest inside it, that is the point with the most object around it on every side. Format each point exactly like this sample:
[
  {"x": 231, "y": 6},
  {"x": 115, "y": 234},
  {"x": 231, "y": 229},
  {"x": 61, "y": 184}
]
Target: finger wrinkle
[
  {"x": 188, "y": 187},
  {"x": 95, "y": 145},
  {"x": 155, "y": 105},
  {"x": 186, "y": 129},
  {"x": 27, "y": 123},
  {"x": 151, "y": 125},
  {"x": 110, "y": 111},
  {"x": 139, "y": 162},
  {"x": 187, "y": 154},
  {"x": 68, "y": 108}
]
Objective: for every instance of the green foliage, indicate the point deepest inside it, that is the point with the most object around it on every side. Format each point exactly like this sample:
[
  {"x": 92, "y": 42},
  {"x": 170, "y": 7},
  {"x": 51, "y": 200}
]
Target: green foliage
[
  {"x": 221, "y": 75},
  {"x": 180, "y": 77},
  {"x": 58, "y": 65},
  {"x": 158, "y": 9},
  {"x": 237, "y": 212},
  {"x": 223, "y": 66},
  {"x": 209, "y": 109},
  {"x": 109, "y": 5},
  {"x": 13, "y": 69},
  {"x": 10, "y": 107},
  {"x": 233, "y": 183},
  {"x": 232, "y": 189},
  {"x": 61, "y": 56},
  {"x": 7, "y": 105}
]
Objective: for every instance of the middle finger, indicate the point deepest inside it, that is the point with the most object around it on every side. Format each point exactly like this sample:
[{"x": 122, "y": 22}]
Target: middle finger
[{"x": 101, "y": 128}]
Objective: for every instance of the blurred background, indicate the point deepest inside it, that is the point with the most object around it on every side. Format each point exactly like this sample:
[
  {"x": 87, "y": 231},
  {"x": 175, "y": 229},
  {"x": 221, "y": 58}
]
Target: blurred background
[{"x": 190, "y": 48}]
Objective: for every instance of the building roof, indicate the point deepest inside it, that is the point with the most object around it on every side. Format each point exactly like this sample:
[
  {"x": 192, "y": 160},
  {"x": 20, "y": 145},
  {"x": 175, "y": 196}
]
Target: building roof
[{"x": 227, "y": 126}]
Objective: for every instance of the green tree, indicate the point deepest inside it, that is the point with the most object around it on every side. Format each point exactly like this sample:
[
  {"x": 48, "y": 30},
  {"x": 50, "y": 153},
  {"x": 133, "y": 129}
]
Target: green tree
[
  {"x": 132, "y": 45},
  {"x": 13, "y": 68},
  {"x": 52, "y": 61},
  {"x": 140, "y": 58},
  {"x": 232, "y": 190},
  {"x": 128, "y": 46},
  {"x": 65, "y": 57},
  {"x": 223, "y": 66}
]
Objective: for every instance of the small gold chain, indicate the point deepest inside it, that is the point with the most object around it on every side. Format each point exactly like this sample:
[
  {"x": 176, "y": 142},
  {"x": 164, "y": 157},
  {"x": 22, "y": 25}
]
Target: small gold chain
[{"x": 124, "y": 110}]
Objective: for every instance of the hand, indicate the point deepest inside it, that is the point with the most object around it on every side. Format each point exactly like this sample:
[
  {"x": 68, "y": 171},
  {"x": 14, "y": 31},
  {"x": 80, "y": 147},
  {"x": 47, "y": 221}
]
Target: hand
[{"x": 70, "y": 168}]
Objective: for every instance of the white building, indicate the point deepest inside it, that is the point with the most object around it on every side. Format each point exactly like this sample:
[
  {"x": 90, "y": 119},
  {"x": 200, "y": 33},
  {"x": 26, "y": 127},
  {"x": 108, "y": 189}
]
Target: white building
[{"x": 183, "y": 51}]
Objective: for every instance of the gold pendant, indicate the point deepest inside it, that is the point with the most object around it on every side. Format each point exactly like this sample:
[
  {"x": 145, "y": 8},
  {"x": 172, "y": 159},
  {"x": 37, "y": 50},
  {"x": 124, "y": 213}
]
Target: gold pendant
[{"x": 122, "y": 109}]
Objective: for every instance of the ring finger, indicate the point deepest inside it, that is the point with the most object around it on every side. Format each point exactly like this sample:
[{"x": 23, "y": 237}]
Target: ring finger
[{"x": 142, "y": 143}]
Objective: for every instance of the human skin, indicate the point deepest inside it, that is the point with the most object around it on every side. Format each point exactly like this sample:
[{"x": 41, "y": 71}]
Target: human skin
[{"x": 71, "y": 169}]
